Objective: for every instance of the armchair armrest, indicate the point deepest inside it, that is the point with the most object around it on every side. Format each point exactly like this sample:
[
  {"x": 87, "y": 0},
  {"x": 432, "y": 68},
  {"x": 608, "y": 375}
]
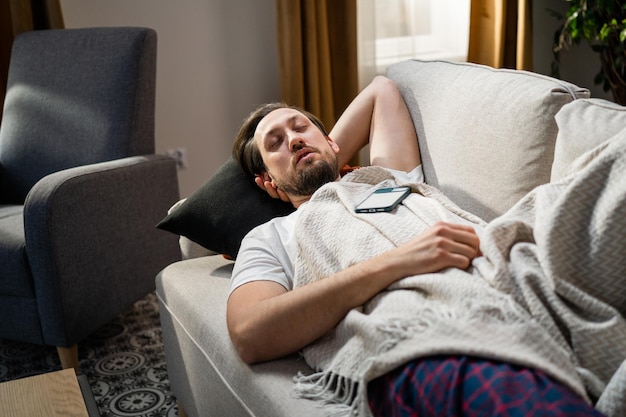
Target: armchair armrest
[{"x": 92, "y": 244}]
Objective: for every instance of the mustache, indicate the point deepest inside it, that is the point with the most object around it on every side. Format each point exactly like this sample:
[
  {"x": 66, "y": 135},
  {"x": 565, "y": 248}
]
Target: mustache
[{"x": 303, "y": 151}]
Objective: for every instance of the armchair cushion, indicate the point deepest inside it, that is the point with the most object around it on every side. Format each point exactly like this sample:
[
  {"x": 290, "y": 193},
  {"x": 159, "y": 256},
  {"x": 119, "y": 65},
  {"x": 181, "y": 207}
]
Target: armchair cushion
[
  {"x": 221, "y": 212},
  {"x": 55, "y": 119}
]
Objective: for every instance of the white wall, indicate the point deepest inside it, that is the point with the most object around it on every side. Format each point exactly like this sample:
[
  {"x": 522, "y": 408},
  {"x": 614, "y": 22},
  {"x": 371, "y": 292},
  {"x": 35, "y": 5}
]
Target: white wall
[{"x": 217, "y": 60}]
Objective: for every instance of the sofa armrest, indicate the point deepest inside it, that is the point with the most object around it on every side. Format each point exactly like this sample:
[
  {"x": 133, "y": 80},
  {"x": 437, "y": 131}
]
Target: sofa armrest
[
  {"x": 92, "y": 244},
  {"x": 205, "y": 372}
]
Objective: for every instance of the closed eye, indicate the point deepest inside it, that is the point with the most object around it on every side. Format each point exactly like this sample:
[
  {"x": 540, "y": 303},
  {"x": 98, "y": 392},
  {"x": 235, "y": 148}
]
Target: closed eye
[{"x": 275, "y": 142}]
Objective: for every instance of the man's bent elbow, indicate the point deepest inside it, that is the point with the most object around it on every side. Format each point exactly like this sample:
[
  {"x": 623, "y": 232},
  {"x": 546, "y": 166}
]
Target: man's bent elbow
[
  {"x": 246, "y": 354},
  {"x": 245, "y": 349}
]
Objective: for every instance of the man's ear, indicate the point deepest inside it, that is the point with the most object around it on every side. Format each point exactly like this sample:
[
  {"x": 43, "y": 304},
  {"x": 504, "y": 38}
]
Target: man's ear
[
  {"x": 265, "y": 176},
  {"x": 332, "y": 144}
]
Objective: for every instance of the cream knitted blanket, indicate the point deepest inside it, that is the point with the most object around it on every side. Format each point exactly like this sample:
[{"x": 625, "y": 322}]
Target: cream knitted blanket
[{"x": 549, "y": 292}]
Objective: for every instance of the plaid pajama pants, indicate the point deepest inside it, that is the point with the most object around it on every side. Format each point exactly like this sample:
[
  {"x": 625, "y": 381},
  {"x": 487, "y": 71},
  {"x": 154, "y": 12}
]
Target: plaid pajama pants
[{"x": 466, "y": 386}]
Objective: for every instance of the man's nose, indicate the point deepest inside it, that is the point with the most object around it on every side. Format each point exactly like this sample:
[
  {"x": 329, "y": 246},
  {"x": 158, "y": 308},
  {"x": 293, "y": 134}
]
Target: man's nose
[{"x": 296, "y": 142}]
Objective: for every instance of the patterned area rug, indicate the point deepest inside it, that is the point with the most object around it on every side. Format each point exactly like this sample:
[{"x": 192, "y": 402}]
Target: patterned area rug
[{"x": 123, "y": 361}]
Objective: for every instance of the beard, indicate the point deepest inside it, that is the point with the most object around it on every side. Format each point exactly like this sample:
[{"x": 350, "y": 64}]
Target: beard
[{"x": 312, "y": 177}]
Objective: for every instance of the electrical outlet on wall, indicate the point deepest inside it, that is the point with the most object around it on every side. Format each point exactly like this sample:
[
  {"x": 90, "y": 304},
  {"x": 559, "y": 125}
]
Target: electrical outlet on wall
[{"x": 180, "y": 156}]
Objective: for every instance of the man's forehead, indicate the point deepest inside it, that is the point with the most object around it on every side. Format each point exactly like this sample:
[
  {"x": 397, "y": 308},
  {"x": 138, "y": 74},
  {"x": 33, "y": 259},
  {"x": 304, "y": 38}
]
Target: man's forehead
[{"x": 274, "y": 119}]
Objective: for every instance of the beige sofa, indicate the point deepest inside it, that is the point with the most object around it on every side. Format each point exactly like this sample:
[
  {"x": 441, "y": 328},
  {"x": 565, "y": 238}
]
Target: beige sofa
[{"x": 487, "y": 137}]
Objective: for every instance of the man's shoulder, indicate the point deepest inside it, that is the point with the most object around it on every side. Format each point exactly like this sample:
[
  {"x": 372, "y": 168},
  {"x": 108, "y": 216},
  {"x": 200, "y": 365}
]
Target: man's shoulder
[
  {"x": 266, "y": 251},
  {"x": 276, "y": 226}
]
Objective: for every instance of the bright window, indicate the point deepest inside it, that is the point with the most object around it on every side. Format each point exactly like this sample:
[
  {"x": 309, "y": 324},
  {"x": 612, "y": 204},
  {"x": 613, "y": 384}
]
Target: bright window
[{"x": 396, "y": 30}]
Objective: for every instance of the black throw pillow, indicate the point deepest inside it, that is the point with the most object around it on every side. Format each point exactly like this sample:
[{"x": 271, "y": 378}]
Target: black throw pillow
[{"x": 221, "y": 212}]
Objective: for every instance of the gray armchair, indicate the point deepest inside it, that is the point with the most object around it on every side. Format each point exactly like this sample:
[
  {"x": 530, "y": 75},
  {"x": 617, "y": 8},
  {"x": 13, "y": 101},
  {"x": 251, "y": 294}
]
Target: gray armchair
[{"x": 81, "y": 189}]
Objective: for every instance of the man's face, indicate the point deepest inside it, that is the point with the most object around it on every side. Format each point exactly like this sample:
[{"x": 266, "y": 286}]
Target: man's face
[{"x": 297, "y": 155}]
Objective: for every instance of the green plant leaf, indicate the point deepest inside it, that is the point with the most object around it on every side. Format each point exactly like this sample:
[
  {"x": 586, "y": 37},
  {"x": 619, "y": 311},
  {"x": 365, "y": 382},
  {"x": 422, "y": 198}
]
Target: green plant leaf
[
  {"x": 602, "y": 25},
  {"x": 604, "y": 32}
]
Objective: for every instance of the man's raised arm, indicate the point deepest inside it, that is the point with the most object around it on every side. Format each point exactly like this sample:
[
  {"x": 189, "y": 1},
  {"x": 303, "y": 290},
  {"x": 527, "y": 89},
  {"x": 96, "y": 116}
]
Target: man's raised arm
[{"x": 378, "y": 116}]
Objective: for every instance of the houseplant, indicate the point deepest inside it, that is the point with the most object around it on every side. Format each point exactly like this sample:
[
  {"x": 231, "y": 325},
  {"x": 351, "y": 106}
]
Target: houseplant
[{"x": 602, "y": 24}]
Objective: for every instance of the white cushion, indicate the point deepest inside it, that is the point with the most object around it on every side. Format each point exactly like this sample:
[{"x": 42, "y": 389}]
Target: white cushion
[
  {"x": 583, "y": 125},
  {"x": 486, "y": 135}
]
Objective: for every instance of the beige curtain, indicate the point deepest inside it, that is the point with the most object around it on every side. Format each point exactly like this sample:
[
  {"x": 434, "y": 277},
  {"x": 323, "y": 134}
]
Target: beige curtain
[
  {"x": 318, "y": 55},
  {"x": 501, "y": 33},
  {"x": 18, "y": 16}
]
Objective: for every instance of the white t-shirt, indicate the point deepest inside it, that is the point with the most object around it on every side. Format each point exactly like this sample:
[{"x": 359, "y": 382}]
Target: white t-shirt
[{"x": 268, "y": 251}]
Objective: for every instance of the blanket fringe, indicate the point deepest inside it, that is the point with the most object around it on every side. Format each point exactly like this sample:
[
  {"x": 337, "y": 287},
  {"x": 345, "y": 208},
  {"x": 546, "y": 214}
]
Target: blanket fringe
[{"x": 339, "y": 395}]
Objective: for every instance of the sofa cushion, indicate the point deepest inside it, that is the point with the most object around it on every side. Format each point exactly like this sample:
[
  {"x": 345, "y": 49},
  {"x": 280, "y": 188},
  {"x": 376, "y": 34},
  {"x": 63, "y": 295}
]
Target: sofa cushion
[
  {"x": 221, "y": 212},
  {"x": 584, "y": 124},
  {"x": 486, "y": 135}
]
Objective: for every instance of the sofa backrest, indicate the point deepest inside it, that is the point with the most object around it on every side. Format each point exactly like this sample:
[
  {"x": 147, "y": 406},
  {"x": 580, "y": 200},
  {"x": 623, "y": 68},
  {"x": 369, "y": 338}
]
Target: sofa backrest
[{"x": 486, "y": 136}]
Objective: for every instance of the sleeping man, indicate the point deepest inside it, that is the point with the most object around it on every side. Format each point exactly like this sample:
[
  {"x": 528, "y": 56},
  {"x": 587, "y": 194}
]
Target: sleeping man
[{"x": 424, "y": 310}]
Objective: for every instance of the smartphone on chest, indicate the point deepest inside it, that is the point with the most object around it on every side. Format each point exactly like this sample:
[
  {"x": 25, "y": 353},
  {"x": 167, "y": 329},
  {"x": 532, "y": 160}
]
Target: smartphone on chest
[{"x": 383, "y": 199}]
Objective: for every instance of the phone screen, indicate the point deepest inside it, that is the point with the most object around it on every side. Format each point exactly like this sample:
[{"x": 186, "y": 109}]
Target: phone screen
[{"x": 384, "y": 199}]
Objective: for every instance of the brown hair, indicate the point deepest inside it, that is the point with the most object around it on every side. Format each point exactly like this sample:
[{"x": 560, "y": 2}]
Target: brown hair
[{"x": 245, "y": 151}]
